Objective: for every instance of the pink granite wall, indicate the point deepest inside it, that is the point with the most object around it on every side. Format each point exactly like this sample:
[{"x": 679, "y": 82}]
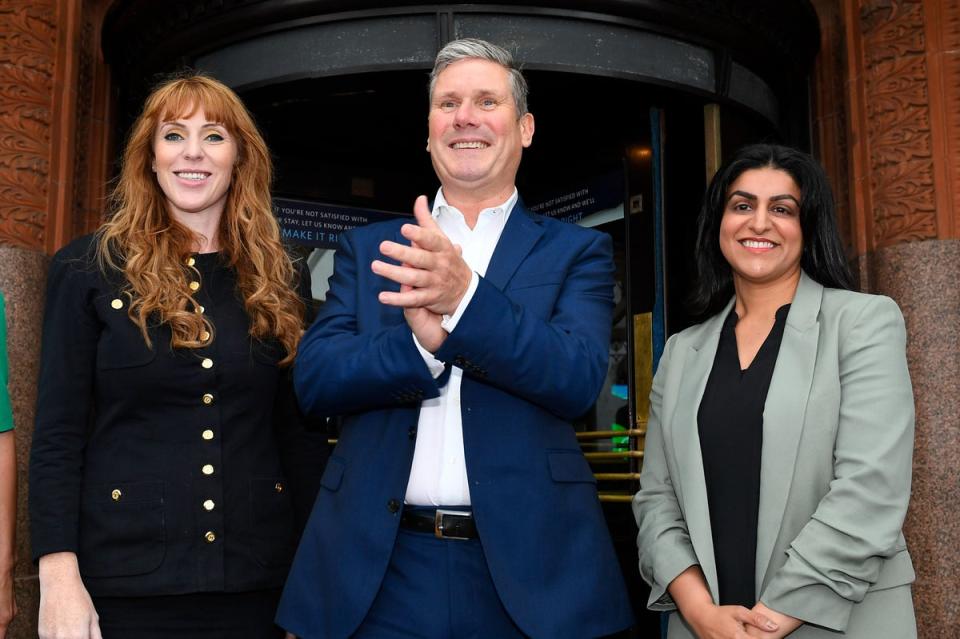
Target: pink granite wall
[
  {"x": 22, "y": 280},
  {"x": 923, "y": 278}
]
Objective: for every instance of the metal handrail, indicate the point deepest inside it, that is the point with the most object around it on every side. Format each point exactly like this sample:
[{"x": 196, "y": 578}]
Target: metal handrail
[
  {"x": 636, "y": 454},
  {"x": 617, "y": 476},
  {"x": 607, "y": 434}
]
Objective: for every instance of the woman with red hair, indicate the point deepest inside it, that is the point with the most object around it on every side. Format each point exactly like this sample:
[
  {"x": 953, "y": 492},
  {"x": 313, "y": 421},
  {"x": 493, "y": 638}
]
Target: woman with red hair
[{"x": 170, "y": 467}]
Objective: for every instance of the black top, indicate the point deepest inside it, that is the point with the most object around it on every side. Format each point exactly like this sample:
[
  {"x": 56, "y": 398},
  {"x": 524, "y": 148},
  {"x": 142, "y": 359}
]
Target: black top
[
  {"x": 730, "y": 423},
  {"x": 167, "y": 471}
]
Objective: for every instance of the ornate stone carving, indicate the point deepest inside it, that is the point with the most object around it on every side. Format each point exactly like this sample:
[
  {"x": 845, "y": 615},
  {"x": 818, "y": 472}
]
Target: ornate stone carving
[
  {"x": 898, "y": 121},
  {"x": 28, "y": 34}
]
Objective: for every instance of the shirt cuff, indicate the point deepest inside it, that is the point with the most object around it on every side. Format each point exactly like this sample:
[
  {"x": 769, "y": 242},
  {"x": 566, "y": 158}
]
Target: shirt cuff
[
  {"x": 433, "y": 364},
  {"x": 449, "y": 322}
]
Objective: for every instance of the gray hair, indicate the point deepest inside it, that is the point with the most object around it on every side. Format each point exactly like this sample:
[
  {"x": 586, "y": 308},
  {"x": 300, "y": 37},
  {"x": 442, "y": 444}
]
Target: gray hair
[{"x": 467, "y": 48}]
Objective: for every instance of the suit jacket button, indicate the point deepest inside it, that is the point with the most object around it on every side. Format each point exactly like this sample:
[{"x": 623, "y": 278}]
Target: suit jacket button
[
  {"x": 412, "y": 433},
  {"x": 393, "y": 505}
]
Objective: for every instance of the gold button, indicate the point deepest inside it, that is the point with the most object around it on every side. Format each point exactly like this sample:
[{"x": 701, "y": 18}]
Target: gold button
[
  {"x": 199, "y": 309},
  {"x": 207, "y": 362},
  {"x": 207, "y": 469},
  {"x": 194, "y": 285},
  {"x": 115, "y": 494},
  {"x": 204, "y": 336},
  {"x": 191, "y": 261},
  {"x": 210, "y": 537},
  {"x": 208, "y": 505},
  {"x": 117, "y": 303},
  {"x": 207, "y": 434},
  {"x": 278, "y": 487},
  {"x": 207, "y": 399}
]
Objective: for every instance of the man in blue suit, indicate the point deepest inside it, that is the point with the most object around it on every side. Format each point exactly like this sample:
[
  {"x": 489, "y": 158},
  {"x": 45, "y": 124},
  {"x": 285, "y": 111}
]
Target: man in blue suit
[{"x": 457, "y": 502}]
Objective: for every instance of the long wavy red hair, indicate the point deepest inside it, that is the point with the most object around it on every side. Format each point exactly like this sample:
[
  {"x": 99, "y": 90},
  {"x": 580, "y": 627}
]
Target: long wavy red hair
[{"x": 142, "y": 240}]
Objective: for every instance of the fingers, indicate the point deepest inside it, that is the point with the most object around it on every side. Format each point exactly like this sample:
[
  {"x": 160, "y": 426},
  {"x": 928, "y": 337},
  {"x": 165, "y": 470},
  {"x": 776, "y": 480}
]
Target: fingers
[
  {"x": 431, "y": 239},
  {"x": 412, "y": 298},
  {"x": 410, "y": 255},
  {"x": 421, "y": 212},
  {"x": 95, "y": 630},
  {"x": 403, "y": 275},
  {"x": 755, "y": 619}
]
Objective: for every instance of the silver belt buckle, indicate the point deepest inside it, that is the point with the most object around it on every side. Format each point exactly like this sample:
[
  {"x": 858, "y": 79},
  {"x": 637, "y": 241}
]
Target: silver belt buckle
[{"x": 438, "y": 529}]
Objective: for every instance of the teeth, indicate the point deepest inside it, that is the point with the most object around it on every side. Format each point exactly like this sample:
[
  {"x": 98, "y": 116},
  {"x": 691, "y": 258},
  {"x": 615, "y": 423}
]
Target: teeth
[
  {"x": 757, "y": 244},
  {"x": 470, "y": 145},
  {"x": 192, "y": 176}
]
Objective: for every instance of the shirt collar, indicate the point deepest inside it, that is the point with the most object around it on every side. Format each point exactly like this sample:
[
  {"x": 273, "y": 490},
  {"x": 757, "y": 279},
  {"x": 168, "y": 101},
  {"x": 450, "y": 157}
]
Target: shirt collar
[{"x": 440, "y": 204}]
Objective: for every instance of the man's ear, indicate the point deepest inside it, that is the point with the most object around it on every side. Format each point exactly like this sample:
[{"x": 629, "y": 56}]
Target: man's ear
[{"x": 526, "y": 129}]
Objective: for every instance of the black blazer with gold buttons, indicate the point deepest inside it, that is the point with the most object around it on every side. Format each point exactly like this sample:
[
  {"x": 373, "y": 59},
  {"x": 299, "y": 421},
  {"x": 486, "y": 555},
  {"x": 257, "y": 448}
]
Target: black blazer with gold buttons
[{"x": 166, "y": 471}]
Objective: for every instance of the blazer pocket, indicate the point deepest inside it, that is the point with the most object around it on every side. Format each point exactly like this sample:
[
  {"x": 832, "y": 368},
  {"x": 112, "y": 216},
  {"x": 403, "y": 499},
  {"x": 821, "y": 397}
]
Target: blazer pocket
[
  {"x": 122, "y": 529},
  {"x": 569, "y": 466},
  {"x": 333, "y": 474},
  {"x": 271, "y": 521},
  {"x": 530, "y": 280}
]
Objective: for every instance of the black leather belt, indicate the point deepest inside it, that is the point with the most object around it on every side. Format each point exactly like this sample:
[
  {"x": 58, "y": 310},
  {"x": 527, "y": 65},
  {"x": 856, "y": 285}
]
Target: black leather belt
[{"x": 445, "y": 524}]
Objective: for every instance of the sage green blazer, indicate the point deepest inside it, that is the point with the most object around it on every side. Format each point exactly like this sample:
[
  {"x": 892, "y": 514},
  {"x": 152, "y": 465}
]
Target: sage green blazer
[{"x": 834, "y": 477}]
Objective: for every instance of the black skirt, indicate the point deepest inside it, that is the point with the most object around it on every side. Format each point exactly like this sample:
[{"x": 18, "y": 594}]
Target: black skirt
[{"x": 205, "y": 615}]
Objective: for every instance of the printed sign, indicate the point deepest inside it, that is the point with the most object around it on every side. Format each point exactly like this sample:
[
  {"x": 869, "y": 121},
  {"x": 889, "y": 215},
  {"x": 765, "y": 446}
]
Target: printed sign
[
  {"x": 577, "y": 201},
  {"x": 319, "y": 225}
]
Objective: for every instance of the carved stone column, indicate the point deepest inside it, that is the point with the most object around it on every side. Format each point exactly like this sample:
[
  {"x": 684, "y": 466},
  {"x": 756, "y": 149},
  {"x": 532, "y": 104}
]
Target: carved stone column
[
  {"x": 894, "y": 67},
  {"x": 53, "y": 149}
]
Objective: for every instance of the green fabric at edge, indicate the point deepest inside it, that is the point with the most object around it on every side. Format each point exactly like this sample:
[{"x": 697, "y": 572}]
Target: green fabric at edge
[{"x": 6, "y": 413}]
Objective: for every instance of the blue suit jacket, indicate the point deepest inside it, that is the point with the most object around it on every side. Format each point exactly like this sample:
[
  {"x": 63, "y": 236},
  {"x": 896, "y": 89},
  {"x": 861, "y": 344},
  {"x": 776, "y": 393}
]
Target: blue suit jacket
[{"x": 533, "y": 345}]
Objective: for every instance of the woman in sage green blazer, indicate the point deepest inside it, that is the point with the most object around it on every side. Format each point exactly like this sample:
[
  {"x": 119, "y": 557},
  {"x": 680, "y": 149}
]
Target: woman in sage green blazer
[{"x": 833, "y": 441}]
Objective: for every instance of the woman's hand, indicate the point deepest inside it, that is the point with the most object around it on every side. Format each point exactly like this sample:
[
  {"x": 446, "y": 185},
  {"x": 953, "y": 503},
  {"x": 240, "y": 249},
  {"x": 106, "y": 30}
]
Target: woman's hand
[
  {"x": 710, "y": 621},
  {"x": 66, "y": 610},
  {"x": 786, "y": 624}
]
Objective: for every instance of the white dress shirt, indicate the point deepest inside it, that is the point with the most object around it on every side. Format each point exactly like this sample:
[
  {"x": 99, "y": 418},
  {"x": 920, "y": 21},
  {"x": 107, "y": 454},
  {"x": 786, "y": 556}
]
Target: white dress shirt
[{"x": 438, "y": 476}]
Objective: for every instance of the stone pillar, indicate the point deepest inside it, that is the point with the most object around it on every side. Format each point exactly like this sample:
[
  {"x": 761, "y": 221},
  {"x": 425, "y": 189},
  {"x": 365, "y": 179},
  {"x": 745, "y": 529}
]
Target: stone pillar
[
  {"x": 890, "y": 69},
  {"x": 53, "y": 150}
]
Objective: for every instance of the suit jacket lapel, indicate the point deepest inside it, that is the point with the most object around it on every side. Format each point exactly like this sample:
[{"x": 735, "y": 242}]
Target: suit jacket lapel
[
  {"x": 783, "y": 416},
  {"x": 686, "y": 441},
  {"x": 516, "y": 241}
]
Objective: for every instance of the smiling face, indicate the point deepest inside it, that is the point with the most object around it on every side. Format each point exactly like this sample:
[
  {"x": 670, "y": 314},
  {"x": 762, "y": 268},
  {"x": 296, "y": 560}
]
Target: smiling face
[
  {"x": 476, "y": 136},
  {"x": 194, "y": 161},
  {"x": 760, "y": 234}
]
